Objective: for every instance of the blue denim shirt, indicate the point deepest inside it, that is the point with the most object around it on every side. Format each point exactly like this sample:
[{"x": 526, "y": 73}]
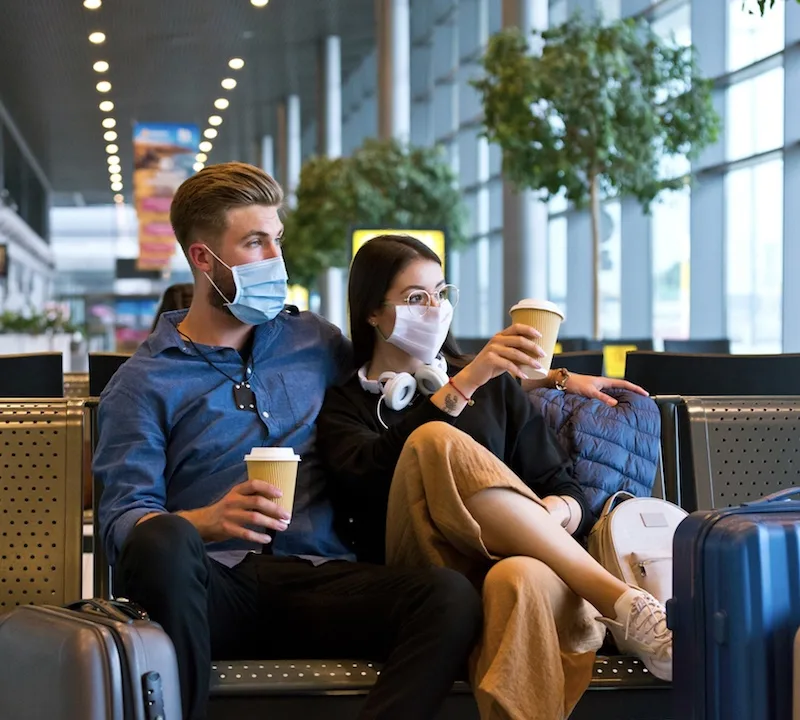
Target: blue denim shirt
[{"x": 171, "y": 437}]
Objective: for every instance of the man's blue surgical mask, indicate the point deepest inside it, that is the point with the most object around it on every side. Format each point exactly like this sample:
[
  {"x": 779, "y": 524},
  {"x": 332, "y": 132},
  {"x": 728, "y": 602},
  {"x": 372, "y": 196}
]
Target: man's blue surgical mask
[{"x": 261, "y": 289}]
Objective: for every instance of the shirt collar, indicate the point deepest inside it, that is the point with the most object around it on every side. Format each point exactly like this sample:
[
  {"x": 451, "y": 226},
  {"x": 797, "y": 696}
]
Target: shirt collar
[{"x": 166, "y": 334}]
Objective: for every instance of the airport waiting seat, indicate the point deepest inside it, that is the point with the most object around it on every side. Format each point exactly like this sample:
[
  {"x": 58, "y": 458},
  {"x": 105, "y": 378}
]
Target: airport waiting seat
[
  {"x": 102, "y": 367},
  {"x": 42, "y": 448},
  {"x": 721, "y": 346},
  {"x": 32, "y": 375},
  {"x": 714, "y": 375},
  {"x": 584, "y": 363},
  {"x": 737, "y": 449}
]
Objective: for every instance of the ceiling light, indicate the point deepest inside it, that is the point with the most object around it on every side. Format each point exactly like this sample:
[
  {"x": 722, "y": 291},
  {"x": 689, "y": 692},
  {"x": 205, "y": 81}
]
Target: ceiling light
[
  {"x": 106, "y": 106},
  {"x": 210, "y": 133},
  {"x": 118, "y": 198},
  {"x": 221, "y": 103},
  {"x": 97, "y": 38},
  {"x": 116, "y": 187},
  {"x": 114, "y": 169},
  {"x": 236, "y": 63},
  {"x": 112, "y": 149},
  {"x": 110, "y": 136},
  {"x": 103, "y": 86},
  {"x": 205, "y": 146},
  {"x": 113, "y": 159},
  {"x": 201, "y": 157},
  {"x": 109, "y": 123},
  {"x": 100, "y": 66},
  {"x": 215, "y": 120},
  {"x": 92, "y": 4},
  {"x": 198, "y": 166},
  {"x": 228, "y": 83},
  {"x": 259, "y": 3},
  {"x": 116, "y": 177}
]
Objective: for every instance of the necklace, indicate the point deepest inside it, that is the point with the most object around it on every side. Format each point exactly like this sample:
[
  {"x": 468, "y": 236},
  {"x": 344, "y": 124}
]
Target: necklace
[{"x": 243, "y": 395}]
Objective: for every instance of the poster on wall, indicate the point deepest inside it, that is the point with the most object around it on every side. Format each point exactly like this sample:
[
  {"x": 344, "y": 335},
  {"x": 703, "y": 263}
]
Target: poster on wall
[
  {"x": 435, "y": 239},
  {"x": 164, "y": 155},
  {"x": 133, "y": 321}
]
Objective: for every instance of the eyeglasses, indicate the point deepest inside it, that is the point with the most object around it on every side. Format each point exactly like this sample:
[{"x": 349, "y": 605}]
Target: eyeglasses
[{"x": 420, "y": 300}]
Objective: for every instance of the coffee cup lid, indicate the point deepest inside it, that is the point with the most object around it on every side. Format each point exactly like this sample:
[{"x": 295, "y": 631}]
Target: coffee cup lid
[
  {"x": 272, "y": 453},
  {"x": 538, "y": 305}
]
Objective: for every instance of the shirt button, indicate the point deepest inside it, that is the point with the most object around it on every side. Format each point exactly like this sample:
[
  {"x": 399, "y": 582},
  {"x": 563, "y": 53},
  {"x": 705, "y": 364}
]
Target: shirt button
[
  {"x": 249, "y": 371},
  {"x": 265, "y": 414}
]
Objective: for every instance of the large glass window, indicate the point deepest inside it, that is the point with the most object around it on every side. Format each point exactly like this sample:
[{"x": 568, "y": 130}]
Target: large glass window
[
  {"x": 676, "y": 24},
  {"x": 755, "y": 115},
  {"x": 610, "y": 279},
  {"x": 557, "y": 261},
  {"x": 750, "y": 36},
  {"x": 754, "y": 256}
]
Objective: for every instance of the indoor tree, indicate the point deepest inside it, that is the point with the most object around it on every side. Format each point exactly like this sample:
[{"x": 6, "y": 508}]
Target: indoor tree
[
  {"x": 594, "y": 113},
  {"x": 383, "y": 184},
  {"x": 765, "y": 4}
]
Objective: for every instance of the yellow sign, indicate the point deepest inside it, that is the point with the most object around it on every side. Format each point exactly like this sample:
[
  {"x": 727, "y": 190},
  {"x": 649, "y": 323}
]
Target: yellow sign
[
  {"x": 297, "y": 295},
  {"x": 614, "y": 359},
  {"x": 434, "y": 239},
  {"x": 557, "y": 350}
]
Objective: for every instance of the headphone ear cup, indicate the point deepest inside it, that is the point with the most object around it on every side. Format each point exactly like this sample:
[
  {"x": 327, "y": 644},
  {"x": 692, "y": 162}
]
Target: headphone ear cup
[
  {"x": 399, "y": 391},
  {"x": 431, "y": 378}
]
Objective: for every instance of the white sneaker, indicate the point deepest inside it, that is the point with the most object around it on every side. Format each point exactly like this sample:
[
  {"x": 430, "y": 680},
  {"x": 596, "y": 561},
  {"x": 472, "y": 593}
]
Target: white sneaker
[{"x": 640, "y": 629}]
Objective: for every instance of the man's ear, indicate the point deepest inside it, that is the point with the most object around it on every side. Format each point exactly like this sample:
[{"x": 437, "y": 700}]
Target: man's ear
[{"x": 200, "y": 257}]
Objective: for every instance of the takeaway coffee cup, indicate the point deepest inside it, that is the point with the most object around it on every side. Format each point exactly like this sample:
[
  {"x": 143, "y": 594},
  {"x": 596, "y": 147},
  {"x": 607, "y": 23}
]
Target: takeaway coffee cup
[
  {"x": 278, "y": 467},
  {"x": 546, "y": 318}
]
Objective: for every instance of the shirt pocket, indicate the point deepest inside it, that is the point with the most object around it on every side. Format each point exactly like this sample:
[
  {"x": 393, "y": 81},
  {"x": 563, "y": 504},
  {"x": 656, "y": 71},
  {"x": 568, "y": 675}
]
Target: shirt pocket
[{"x": 305, "y": 391}]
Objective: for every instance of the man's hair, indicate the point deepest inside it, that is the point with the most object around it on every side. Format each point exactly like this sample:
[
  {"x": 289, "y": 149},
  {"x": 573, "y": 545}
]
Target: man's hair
[{"x": 201, "y": 204}]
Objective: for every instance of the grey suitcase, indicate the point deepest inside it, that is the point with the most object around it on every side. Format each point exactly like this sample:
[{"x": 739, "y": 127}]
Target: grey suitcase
[{"x": 94, "y": 660}]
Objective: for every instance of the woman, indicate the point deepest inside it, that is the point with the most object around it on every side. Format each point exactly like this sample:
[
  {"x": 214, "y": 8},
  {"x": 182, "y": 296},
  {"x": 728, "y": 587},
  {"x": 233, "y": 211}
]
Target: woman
[{"x": 457, "y": 468}]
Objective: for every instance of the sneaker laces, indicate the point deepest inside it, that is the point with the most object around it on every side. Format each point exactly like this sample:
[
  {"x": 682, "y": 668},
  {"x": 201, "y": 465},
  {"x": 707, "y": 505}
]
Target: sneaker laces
[{"x": 648, "y": 618}]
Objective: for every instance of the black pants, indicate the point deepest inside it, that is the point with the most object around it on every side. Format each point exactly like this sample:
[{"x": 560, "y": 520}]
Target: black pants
[{"x": 421, "y": 623}]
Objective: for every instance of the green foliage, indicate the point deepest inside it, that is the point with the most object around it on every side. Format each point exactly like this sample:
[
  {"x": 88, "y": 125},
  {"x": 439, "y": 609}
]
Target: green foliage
[
  {"x": 764, "y": 4},
  {"x": 383, "y": 184},
  {"x": 33, "y": 322},
  {"x": 600, "y": 101}
]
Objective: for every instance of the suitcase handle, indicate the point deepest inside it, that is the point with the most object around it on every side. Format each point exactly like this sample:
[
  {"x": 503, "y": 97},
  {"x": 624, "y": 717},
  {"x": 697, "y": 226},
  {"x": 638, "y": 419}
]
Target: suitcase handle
[
  {"x": 120, "y": 611},
  {"x": 774, "y": 497}
]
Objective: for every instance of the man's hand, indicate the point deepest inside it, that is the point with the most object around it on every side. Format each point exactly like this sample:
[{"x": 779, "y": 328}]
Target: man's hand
[{"x": 247, "y": 505}]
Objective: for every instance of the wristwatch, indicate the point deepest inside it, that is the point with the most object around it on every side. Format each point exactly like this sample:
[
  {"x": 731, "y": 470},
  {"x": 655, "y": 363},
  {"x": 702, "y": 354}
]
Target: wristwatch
[{"x": 562, "y": 378}]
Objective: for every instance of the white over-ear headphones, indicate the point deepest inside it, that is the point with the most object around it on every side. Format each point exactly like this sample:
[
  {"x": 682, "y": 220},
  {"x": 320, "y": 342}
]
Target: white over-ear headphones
[{"x": 398, "y": 389}]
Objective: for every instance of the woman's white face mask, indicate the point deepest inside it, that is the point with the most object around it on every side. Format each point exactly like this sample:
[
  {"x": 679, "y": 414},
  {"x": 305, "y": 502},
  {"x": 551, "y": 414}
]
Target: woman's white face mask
[{"x": 421, "y": 337}]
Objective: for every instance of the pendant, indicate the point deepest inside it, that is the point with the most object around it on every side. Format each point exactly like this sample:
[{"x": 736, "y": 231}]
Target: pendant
[{"x": 244, "y": 397}]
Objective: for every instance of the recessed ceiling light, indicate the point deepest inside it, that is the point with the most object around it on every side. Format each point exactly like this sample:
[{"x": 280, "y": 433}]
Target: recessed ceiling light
[
  {"x": 116, "y": 187},
  {"x": 210, "y": 133},
  {"x": 115, "y": 177},
  {"x": 221, "y": 103},
  {"x": 97, "y": 38},
  {"x": 198, "y": 166},
  {"x": 106, "y": 106},
  {"x": 205, "y": 146},
  {"x": 100, "y": 66},
  {"x": 110, "y": 136},
  {"x": 119, "y": 199},
  {"x": 112, "y": 149},
  {"x": 259, "y": 3},
  {"x": 201, "y": 157},
  {"x": 113, "y": 159},
  {"x": 215, "y": 120},
  {"x": 103, "y": 86},
  {"x": 228, "y": 83},
  {"x": 92, "y": 4},
  {"x": 114, "y": 169},
  {"x": 236, "y": 63},
  {"x": 109, "y": 123}
]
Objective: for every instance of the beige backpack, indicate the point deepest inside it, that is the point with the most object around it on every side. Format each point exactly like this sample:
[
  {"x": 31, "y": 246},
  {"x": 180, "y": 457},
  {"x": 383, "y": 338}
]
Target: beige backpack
[{"x": 633, "y": 541}]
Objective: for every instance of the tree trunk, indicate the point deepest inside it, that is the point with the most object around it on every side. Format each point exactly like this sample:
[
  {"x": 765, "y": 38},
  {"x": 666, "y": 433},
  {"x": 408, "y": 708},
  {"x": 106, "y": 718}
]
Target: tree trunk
[{"x": 594, "y": 192}]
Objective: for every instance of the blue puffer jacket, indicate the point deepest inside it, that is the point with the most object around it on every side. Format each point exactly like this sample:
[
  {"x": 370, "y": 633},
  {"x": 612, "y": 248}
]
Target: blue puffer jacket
[{"x": 612, "y": 448}]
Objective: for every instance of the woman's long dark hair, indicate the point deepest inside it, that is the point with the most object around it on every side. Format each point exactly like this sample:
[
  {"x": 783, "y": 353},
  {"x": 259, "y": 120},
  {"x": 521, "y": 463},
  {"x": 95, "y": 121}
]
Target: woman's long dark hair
[{"x": 372, "y": 273}]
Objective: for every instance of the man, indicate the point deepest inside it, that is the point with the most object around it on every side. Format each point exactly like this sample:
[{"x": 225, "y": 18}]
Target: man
[{"x": 183, "y": 526}]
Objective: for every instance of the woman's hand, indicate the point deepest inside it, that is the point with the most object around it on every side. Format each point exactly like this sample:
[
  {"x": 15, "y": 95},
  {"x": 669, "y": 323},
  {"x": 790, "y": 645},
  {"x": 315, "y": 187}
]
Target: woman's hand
[
  {"x": 509, "y": 351},
  {"x": 594, "y": 387}
]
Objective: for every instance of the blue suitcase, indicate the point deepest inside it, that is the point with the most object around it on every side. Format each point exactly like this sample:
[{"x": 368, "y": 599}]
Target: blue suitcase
[{"x": 736, "y": 610}]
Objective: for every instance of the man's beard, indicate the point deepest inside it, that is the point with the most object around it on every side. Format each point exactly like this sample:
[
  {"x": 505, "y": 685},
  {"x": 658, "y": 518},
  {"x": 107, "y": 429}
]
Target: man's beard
[{"x": 223, "y": 279}]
